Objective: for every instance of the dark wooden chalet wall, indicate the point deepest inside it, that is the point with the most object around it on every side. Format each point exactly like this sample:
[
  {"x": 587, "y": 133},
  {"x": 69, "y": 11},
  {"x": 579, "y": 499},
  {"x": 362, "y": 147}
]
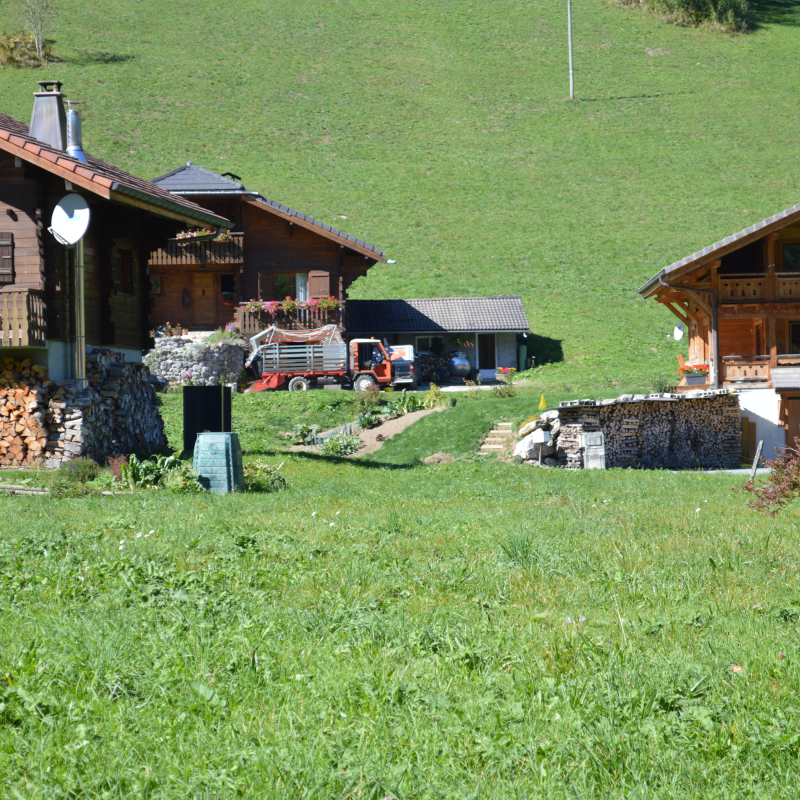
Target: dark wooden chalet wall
[
  {"x": 116, "y": 316},
  {"x": 19, "y": 198},
  {"x": 271, "y": 245}
]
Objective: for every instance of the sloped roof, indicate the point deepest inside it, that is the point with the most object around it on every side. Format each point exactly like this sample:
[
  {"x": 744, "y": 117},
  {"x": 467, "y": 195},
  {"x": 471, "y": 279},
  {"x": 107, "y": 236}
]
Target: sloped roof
[
  {"x": 439, "y": 314},
  {"x": 191, "y": 179},
  {"x": 100, "y": 178},
  {"x": 733, "y": 242},
  {"x": 194, "y": 179}
]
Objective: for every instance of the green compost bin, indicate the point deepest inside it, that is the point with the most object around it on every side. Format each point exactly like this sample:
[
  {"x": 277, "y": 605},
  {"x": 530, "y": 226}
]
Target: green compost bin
[{"x": 218, "y": 462}]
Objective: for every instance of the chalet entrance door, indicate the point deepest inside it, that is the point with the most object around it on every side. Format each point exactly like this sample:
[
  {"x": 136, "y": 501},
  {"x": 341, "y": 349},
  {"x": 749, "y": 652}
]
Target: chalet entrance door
[
  {"x": 486, "y": 358},
  {"x": 204, "y": 300},
  {"x": 792, "y": 420}
]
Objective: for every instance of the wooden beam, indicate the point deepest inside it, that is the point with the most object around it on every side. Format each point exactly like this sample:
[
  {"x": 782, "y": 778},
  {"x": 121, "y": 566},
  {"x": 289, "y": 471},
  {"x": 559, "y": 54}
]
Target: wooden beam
[
  {"x": 681, "y": 317},
  {"x": 701, "y": 303},
  {"x": 152, "y": 208},
  {"x": 760, "y": 312}
]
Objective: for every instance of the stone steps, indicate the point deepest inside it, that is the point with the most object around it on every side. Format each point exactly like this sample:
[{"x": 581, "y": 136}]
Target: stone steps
[{"x": 497, "y": 439}]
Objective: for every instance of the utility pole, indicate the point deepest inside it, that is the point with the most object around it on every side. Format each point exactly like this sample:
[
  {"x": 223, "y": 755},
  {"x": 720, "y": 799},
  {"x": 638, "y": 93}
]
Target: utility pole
[{"x": 569, "y": 36}]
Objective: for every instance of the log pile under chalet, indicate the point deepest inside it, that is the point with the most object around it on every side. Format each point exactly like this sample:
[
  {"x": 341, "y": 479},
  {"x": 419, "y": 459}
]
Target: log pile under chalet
[
  {"x": 657, "y": 431},
  {"x": 46, "y": 423}
]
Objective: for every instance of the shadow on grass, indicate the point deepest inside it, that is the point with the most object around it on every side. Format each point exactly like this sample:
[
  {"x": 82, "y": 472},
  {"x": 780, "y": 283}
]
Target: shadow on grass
[
  {"x": 544, "y": 349},
  {"x": 355, "y": 461},
  {"x": 85, "y": 58},
  {"x": 773, "y": 12}
]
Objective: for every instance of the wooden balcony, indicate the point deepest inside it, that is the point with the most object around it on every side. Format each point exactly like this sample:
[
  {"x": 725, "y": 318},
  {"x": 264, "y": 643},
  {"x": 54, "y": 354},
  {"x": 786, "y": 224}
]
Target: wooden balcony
[
  {"x": 22, "y": 318},
  {"x": 765, "y": 287},
  {"x": 252, "y": 322},
  {"x": 745, "y": 370},
  {"x": 193, "y": 253}
]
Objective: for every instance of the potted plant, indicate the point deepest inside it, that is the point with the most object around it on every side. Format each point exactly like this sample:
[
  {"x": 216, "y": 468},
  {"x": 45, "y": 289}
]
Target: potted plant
[
  {"x": 228, "y": 298},
  {"x": 695, "y": 374}
]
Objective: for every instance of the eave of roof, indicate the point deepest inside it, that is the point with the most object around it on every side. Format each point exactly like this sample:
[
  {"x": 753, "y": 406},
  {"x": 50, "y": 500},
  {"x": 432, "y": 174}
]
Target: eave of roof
[
  {"x": 724, "y": 246},
  {"x": 100, "y": 178}
]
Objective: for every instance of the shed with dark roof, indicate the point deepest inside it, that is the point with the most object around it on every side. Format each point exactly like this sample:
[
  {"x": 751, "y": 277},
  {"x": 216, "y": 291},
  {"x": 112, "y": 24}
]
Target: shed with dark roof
[{"x": 486, "y": 329}]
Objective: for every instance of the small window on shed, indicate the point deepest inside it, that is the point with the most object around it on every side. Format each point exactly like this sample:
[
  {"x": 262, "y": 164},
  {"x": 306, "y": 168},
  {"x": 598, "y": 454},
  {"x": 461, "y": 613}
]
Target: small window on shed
[{"x": 791, "y": 258}]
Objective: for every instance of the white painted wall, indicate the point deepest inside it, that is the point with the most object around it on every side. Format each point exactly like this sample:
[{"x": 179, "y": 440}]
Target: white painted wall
[
  {"x": 507, "y": 350},
  {"x": 763, "y": 406}
]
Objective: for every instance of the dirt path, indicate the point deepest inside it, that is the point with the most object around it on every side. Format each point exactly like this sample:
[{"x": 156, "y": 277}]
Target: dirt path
[{"x": 369, "y": 438}]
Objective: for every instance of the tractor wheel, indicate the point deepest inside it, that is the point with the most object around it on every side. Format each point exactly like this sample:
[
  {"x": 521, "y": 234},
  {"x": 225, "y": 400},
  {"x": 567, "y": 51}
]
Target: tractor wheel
[
  {"x": 363, "y": 383},
  {"x": 299, "y": 385}
]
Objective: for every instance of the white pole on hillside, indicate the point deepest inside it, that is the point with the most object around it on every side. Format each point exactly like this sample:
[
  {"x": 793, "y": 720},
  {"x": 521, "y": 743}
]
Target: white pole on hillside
[{"x": 569, "y": 36}]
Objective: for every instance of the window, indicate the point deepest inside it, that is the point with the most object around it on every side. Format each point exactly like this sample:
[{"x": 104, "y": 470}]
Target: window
[
  {"x": 227, "y": 284},
  {"x": 125, "y": 272},
  {"x": 156, "y": 285},
  {"x": 430, "y": 344},
  {"x": 791, "y": 258},
  {"x": 291, "y": 284},
  {"x": 794, "y": 337}
]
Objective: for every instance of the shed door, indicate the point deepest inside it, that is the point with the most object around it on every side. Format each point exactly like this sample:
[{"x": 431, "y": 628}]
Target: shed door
[
  {"x": 204, "y": 300},
  {"x": 486, "y": 347},
  {"x": 792, "y": 420}
]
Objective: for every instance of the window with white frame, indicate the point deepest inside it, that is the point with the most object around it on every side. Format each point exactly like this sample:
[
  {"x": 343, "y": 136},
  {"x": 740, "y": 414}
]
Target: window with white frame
[{"x": 430, "y": 344}]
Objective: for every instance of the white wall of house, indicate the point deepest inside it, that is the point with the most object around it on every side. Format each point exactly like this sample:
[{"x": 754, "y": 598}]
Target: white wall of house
[
  {"x": 507, "y": 350},
  {"x": 763, "y": 406}
]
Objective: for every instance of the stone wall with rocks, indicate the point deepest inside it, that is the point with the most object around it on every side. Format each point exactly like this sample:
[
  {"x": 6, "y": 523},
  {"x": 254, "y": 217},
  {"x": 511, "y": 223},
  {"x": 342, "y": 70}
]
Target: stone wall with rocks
[
  {"x": 658, "y": 431},
  {"x": 181, "y": 360}
]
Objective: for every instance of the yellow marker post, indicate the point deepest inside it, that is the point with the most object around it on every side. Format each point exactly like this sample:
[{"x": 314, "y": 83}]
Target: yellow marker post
[{"x": 542, "y": 403}]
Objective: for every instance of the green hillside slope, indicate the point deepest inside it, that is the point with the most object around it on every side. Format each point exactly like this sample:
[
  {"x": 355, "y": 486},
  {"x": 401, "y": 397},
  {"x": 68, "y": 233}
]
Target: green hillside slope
[{"x": 440, "y": 131}]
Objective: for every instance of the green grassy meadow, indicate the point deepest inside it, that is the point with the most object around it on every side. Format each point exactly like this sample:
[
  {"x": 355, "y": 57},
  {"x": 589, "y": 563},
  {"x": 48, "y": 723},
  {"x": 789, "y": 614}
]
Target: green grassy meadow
[
  {"x": 386, "y": 629},
  {"x": 440, "y": 131}
]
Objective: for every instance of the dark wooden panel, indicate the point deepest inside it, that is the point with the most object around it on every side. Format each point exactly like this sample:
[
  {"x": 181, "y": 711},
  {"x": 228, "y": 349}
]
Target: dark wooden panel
[{"x": 736, "y": 337}]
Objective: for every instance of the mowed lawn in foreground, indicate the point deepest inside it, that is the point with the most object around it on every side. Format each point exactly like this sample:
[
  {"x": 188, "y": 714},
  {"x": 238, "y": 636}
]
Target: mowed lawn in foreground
[{"x": 476, "y": 629}]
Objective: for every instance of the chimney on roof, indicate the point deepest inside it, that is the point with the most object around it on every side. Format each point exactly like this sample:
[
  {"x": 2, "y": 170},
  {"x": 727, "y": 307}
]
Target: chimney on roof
[
  {"x": 74, "y": 135},
  {"x": 49, "y": 120}
]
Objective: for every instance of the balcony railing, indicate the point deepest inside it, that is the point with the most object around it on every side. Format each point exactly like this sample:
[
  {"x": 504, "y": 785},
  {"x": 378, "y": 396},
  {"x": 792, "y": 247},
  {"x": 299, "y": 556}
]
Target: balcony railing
[
  {"x": 765, "y": 287},
  {"x": 252, "y": 322},
  {"x": 176, "y": 255},
  {"x": 745, "y": 370},
  {"x": 22, "y": 318}
]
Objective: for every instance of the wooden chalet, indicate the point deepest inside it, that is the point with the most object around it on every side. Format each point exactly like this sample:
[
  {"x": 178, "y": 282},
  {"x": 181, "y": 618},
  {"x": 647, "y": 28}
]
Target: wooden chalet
[
  {"x": 739, "y": 299},
  {"x": 274, "y": 252},
  {"x": 130, "y": 218}
]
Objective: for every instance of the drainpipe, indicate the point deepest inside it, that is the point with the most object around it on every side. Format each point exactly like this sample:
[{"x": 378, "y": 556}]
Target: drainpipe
[
  {"x": 80, "y": 318},
  {"x": 715, "y": 360}
]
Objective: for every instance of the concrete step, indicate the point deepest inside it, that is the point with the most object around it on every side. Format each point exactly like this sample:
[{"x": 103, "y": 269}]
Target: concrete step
[
  {"x": 502, "y": 432},
  {"x": 498, "y": 442},
  {"x": 503, "y": 424},
  {"x": 491, "y": 447}
]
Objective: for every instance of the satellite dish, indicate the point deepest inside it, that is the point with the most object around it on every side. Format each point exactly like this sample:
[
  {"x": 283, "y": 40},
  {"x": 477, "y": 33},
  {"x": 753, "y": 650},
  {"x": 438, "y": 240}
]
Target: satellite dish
[
  {"x": 677, "y": 334},
  {"x": 70, "y": 219}
]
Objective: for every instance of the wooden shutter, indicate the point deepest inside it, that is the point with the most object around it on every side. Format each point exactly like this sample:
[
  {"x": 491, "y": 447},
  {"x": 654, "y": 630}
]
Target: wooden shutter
[
  {"x": 265, "y": 286},
  {"x": 6, "y": 257},
  {"x": 116, "y": 270},
  {"x": 319, "y": 284}
]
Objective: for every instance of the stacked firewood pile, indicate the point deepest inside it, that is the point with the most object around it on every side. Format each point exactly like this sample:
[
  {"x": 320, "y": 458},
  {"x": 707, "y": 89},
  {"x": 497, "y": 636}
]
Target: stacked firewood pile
[
  {"x": 649, "y": 431},
  {"x": 429, "y": 366},
  {"x": 23, "y": 401},
  {"x": 42, "y": 422}
]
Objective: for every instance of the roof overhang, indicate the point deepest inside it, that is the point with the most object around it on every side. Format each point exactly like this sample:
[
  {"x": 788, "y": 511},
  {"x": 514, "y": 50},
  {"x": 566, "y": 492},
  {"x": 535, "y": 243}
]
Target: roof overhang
[
  {"x": 721, "y": 248},
  {"x": 87, "y": 179}
]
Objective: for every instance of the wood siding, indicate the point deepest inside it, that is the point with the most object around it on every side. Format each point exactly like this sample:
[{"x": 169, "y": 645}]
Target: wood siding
[
  {"x": 736, "y": 337},
  {"x": 19, "y": 201}
]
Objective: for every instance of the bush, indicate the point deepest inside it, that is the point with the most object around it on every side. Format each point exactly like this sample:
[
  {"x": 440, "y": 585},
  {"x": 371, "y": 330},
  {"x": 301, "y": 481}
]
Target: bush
[
  {"x": 368, "y": 401},
  {"x": 504, "y": 390},
  {"x": 181, "y": 478},
  {"x": 262, "y": 477},
  {"x": 158, "y": 472},
  {"x": 305, "y": 434},
  {"x": 433, "y": 397},
  {"x": 731, "y": 15},
  {"x": 783, "y": 483},
  {"x": 367, "y": 419},
  {"x": 341, "y": 445},
  {"x": 19, "y": 50}
]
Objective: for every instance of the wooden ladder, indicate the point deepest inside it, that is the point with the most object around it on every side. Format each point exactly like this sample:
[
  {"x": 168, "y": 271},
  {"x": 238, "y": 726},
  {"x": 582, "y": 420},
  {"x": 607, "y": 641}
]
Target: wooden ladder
[{"x": 497, "y": 438}]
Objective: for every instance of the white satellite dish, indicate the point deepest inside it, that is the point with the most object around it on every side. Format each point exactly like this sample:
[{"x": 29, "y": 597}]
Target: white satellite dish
[
  {"x": 677, "y": 334},
  {"x": 70, "y": 219}
]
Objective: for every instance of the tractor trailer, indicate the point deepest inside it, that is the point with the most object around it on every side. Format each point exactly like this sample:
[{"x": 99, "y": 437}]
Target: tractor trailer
[{"x": 300, "y": 360}]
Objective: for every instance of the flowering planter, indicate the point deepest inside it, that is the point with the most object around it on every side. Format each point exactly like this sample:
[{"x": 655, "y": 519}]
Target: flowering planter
[{"x": 696, "y": 380}]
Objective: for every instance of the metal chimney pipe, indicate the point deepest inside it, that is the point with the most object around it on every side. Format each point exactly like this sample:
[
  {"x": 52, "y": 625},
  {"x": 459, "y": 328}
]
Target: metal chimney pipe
[
  {"x": 48, "y": 120},
  {"x": 74, "y": 131}
]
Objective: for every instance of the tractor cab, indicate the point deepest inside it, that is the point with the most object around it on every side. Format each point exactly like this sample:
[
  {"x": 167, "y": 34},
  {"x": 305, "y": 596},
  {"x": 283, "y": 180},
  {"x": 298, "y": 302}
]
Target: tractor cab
[{"x": 369, "y": 364}]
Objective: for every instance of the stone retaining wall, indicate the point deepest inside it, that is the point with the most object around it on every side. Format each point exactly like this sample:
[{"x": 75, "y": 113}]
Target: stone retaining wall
[{"x": 181, "y": 360}]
